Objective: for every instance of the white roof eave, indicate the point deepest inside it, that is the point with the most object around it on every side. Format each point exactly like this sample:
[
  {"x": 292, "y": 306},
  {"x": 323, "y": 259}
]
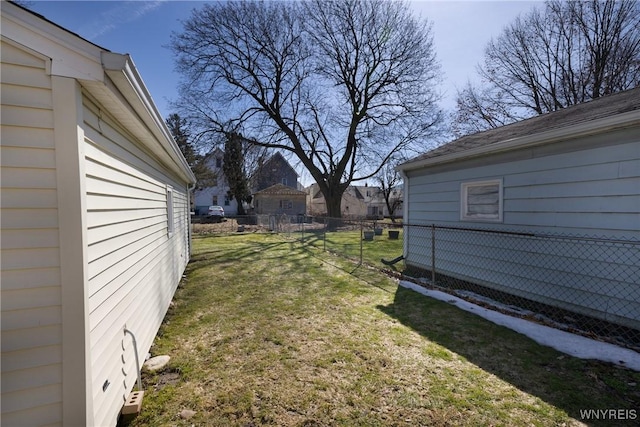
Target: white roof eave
[
  {"x": 125, "y": 78},
  {"x": 111, "y": 78},
  {"x": 70, "y": 55}
]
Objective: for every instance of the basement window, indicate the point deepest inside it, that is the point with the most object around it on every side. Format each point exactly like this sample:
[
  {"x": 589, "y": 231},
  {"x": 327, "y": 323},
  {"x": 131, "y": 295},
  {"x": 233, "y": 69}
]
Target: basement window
[{"x": 481, "y": 201}]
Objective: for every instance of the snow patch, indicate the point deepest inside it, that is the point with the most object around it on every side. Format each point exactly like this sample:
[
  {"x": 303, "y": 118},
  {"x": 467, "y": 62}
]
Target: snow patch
[{"x": 565, "y": 342}]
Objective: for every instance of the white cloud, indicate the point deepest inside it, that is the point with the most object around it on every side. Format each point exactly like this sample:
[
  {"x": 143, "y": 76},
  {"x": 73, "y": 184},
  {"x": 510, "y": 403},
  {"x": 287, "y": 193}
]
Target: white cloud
[{"x": 118, "y": 13}]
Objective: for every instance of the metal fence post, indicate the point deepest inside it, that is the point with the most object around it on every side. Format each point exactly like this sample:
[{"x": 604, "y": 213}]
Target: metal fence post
[
  {"x": 324, "y": 235},
  {"x": 361, "y": 238},
  {"x": 433, "y": 254}
]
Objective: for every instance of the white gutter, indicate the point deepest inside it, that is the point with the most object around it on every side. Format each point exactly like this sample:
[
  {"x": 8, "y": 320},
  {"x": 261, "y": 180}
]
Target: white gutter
[
  {"x": 124, "y": 74},
  {"x": 627, "y": 119}
]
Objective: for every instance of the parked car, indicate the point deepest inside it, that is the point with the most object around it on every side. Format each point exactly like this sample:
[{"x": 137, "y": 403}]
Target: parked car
[{"x": 215, "y": 214}]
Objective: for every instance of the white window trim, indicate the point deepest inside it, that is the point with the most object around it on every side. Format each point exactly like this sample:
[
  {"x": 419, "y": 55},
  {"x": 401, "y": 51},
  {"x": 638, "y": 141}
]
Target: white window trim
[
  {"x": 463, "y": 200},
  {"x": 170, "y": 213}
]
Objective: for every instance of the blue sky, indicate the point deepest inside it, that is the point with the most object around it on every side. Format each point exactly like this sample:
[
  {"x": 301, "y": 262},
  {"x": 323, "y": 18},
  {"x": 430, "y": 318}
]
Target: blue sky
[{"x": 143, "y": 28}]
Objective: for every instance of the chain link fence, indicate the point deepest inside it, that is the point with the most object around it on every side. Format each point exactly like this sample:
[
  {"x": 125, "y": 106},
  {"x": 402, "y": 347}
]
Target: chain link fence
[{"x": 584, "y": 284}]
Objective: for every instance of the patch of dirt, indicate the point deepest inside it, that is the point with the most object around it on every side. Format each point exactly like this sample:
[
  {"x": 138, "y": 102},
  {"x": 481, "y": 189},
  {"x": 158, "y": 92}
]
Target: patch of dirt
[
  {"x": 166, "y": 378},
  {"x": 227, "y": 226}
]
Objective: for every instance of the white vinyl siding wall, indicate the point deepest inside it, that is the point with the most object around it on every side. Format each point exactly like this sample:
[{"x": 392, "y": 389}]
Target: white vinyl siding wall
[
  {"x": 134, "y": 265},
  {"x": 31, "y": 292}
]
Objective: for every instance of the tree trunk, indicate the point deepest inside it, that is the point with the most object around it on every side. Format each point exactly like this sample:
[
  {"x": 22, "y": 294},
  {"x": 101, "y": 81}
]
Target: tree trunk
[
  {"x": 333, "y": 203},
  {"x": 241, "y": 210},
  {"x": 391, "y": 208}
]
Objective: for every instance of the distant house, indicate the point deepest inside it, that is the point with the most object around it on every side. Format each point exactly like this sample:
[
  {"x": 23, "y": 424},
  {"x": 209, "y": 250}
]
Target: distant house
[
  {"x": 95, "y": 224},
  {"x": 276, "y": 170},
  {"x": 217, "y": 194},
  {"x": 280, "y": 199},
  {"x": 574, "y": 171},
  {"x": 358, "y": 201}
]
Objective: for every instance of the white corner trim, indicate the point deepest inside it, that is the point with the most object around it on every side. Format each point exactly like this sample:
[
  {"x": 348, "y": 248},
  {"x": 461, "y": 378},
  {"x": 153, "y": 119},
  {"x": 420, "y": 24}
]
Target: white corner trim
[{"x": 77, "y": 399}]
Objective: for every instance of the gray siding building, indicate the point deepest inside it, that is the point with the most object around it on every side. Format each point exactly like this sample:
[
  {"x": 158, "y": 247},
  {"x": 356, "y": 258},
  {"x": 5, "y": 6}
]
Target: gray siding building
[
  {"x": 280, "y": 199},
  {"x": 276, "y": 170},
  {"x": 572, "y": 172}
]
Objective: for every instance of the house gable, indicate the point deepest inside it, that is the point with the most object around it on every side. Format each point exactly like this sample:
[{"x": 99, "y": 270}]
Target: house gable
[{"x": 276, "y": 170}]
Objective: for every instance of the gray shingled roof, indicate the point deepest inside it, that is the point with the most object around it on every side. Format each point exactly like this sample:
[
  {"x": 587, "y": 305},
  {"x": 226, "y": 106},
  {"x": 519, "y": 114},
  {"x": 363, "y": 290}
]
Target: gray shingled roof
[
  {"x": 621, "y": 102},
  {"x": 281, "y": 190}
]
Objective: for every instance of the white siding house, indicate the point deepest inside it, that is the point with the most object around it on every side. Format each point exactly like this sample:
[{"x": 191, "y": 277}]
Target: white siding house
[
  {"x": 358, "y": 201},
  {"x": 95, "y": 224},
  {"x": 572, "y": 172},
  {"x": 217, "y": 194}
]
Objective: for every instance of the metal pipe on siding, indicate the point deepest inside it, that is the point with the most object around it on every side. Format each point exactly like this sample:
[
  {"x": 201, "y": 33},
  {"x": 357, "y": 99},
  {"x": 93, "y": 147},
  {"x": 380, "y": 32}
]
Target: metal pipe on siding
[{"x": 135, "y": 350}]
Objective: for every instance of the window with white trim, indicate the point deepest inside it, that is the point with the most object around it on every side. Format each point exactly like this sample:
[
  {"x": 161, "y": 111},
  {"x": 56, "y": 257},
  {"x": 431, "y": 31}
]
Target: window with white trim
[
  {"x": 170, "y": 216},
  {"x": 481, "y": 201}
]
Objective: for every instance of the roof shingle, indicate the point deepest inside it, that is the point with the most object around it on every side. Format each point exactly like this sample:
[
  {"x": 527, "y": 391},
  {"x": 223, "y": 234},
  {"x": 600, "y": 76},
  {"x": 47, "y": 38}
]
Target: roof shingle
[{"x": 621, "y": 102}]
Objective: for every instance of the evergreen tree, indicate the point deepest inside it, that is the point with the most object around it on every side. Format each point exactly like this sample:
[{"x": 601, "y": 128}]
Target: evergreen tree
[
  {"x": 179, "y": 129},
  {"x": 234, "y": 170}
]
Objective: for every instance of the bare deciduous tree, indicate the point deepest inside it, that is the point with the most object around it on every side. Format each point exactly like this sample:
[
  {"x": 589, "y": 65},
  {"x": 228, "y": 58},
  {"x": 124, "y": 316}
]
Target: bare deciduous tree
[
  {"x": 341, "y": 84},
  {"x": 389, "y": 180},
  {"x": 567, "y": 54}
]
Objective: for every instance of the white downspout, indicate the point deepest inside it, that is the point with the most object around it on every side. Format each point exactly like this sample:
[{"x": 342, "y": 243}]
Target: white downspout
[{"x": 190, "y": 188}]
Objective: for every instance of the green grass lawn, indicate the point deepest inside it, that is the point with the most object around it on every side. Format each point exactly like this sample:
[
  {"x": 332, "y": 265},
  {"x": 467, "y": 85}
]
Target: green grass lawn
[
  {"x": 266, "y": 331},
  {"x": 350, "y": 244}
]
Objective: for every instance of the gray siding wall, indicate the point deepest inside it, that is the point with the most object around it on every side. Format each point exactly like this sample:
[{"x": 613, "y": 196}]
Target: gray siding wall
[
  {"x": 134, "y": 262},
  {"x": 271, "y": 204},
  {"x": 276, "y": 171},
  {"x": 594, "y": 191},
  {"x": 31, "y": 288}
]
